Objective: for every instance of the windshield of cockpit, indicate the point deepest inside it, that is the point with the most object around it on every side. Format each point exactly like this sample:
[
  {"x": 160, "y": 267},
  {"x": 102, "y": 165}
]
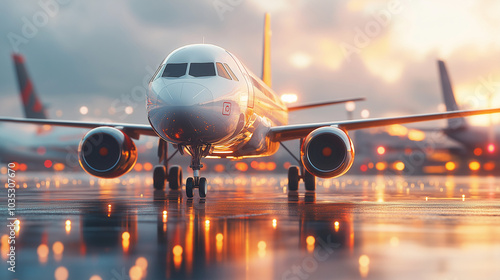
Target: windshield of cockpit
[{"x": 197, "y": 70}]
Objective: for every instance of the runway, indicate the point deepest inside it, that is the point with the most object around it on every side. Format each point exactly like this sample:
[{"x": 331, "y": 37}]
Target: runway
[{"x": 73, "y": 226}]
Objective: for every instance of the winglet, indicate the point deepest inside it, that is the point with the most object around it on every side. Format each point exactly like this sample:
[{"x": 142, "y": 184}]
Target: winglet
[
  {"x": 449, "y": 97},
  {"x": 33, "y": 108},
  {"x": 266, "y": 62}
]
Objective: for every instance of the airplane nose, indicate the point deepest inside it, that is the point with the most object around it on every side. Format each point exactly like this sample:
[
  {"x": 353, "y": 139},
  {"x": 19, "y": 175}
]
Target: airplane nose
[{"x": 185, "y": 94}]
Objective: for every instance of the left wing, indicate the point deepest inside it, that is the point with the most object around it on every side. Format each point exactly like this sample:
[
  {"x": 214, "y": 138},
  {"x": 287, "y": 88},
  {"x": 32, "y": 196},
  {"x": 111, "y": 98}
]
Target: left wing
[
  {"x": 289, "y": 132},
  {"x": 133, "y": 130}
]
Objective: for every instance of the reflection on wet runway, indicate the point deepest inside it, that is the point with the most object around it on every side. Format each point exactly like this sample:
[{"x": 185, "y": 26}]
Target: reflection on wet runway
[{"x": 75, "y": 227}]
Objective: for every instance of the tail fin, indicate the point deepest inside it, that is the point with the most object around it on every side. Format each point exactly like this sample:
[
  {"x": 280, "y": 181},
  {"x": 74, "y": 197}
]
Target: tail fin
[
  {"x": 449, "y": 97},
  {"x": 266, "y": 62},
  {"x": 33, "y": 108}
]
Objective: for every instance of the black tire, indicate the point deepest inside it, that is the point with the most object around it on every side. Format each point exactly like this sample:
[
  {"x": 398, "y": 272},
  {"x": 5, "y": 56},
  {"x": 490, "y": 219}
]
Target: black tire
[
  {"x": 159, "y": 174},
  {"x": 293, "y": 178},
  {"x": 203, "y": 188},
  {"x": 175, "y": 177},
  {"x": 189, "y": 187},
  {"x": 309, "y": 181}
]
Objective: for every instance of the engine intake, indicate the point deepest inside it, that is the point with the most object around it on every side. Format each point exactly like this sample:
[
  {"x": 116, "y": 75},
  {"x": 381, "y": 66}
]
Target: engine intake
[
  {"x": 327, "y": 152},
  {"x": 107, "y": 152}
]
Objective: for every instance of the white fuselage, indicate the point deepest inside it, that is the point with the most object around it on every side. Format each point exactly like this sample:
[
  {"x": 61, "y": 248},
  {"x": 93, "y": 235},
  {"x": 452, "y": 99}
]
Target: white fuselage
[{"x": 203, "y": 95}]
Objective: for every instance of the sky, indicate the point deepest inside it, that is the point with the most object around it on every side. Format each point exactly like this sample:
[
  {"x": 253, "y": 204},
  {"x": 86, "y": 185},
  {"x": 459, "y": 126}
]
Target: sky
[{"x": 99, "y": 53}]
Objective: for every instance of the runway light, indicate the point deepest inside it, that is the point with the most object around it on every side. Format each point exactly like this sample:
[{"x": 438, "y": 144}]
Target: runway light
[
  {"x": 135, "y": 273},
  {"x": 142, "y": 262},
  {"x": 148, "y": 166},
  {"x": 47, "y": 163},
  {"x": 336, "y": 226},
  {"x": 126, "y": 235},
  {"x": 365, "y": 114},
  {"x": 474, "y": 165},
  {"x": 489, "y": 166},
  {"x": 42, "y": 251},
  {"x": 416, "y": 135},
  {"x": 61, "y": 273},
  {"x": 289, "y": 98},
  {"x": 95, "y": 277},
  {"x": 241, "y": 166},
  {"x": 364, "y": 261},
  {"x": 59, "y": 166},
  {"x": 363, "y": 168},
  {"x": 478, "y": 151},
  {"x": 381, "y": 166},
  {"x": 219, "y": 168},
  {"x": 310, "y": 240},
  {"x": 275, "y": 223},
  {"x": 491, "y": 148},
  {"x": 399, "y": 166},
  {"x": 138, "y": 167},
  {"x": 177, "y": 250},
  {"x": 271, "y": 166},
  {"x": 219, "y": 237},
  {"x": 58, "y": 248},
  {"x": 84, "y": 110},
  {"x": 463, "y": 197},
  {"x": 129, "y": 110},
  {"x": 380, "y": 150},
  {"x": 450, "y": 166}
]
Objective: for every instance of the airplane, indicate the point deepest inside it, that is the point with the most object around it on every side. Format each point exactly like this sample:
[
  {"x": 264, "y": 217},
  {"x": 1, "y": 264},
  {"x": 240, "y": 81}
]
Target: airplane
[
  {"x": 205, "y": 102},
  {"x": 480, "y": 140}
]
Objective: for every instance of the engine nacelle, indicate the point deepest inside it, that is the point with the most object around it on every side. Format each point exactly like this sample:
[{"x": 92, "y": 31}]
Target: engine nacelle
[
  {"x": 107, "y": 152},
  {"x": 327, "y": 152}
]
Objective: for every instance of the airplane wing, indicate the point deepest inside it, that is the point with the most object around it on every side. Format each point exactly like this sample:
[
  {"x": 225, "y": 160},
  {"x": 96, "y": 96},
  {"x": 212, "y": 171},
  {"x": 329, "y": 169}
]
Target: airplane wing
[
  {"x": 133, "y": 130},
  {"x": 289, "y": 132},
  {"x": 314, "y": 105}
]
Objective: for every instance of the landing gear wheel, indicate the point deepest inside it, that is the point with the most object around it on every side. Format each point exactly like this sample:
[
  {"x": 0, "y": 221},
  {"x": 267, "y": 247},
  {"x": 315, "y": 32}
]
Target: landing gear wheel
[
  {"x": 203, "y": 187},
  {"x": 175, "y": 177},
  {"x": 159, "y": 174},
  {"x": 309, "y": 181},
  {"x": 293, "y": 178},
  {"x": 189, "y": 187}
]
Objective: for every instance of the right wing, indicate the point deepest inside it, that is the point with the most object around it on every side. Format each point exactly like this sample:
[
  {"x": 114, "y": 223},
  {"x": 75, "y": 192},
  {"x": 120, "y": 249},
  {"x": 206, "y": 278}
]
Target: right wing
[
  {"x": 302, "y": 107},
  {"x": 289, "y": 132},
  {"x": 133, "y": 130}
]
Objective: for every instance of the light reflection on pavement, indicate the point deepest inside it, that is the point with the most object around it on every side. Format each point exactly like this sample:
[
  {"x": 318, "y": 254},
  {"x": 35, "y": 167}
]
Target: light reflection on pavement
[{"x": 77, "y": 227}]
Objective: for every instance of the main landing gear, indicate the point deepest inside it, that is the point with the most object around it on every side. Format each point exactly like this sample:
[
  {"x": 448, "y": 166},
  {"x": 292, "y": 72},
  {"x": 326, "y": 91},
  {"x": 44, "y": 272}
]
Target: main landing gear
[
  {"x": 160, "y": 175},
  {"x": 296, "y": 173},
  {"x": 197, "y": 153}
]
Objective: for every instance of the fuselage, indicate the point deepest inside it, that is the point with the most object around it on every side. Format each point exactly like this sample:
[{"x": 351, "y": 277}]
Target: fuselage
[{"x": 203, "y": 95}]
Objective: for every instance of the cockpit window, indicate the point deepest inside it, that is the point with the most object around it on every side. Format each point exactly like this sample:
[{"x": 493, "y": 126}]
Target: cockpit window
[
  {"x": 202, "y": 69},
  {"x": 175, "y": 70},
  {"x": 231, "y": 72},
  {"x": 222, "y": 71}
]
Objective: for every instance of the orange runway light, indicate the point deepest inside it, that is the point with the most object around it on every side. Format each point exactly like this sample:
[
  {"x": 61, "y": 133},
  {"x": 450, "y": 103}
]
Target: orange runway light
[
  {"x": 138, "y": 167},
  {"x": 450, "y": 166},
  {"x": 148, "y": 166},
  {"x": 241, "y": 166},
  {"x": 381, "y": 166},
  {"x": 491, "y": 148},
  {"x": 474, "y": 165}
]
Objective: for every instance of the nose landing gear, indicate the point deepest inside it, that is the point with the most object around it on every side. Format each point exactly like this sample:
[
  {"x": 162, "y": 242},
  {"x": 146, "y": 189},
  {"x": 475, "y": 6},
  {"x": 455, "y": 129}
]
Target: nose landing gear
[{"x": 197, "y": 153}]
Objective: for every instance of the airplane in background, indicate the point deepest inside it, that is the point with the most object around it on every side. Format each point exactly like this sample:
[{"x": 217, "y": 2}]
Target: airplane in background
[
  {"x": 204, "y": 101},
  {"x": 481, "y": 141},
  {"x": 40, "y": 146}
]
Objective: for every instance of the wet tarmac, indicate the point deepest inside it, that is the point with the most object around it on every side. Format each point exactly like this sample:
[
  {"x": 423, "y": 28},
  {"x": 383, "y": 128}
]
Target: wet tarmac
[{"x": 73, "y": 226}]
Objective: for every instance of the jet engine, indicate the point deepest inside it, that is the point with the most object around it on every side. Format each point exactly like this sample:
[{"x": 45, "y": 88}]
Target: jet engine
[
  {"x": 327, "y": 152},
  {"x": 107, "y": 152}
]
